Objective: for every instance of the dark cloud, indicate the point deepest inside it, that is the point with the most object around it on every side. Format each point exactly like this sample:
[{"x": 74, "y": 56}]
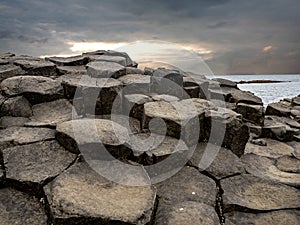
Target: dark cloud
[{"x": 235, "y": 31}]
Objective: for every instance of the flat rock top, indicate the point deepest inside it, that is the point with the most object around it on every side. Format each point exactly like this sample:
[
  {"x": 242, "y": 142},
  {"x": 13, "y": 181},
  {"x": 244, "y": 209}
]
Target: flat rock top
[
  {"x": 187, "y": 185},
  {"x": 80, "y": 192},
  {"x": 135, "y": 79},
  {"x": 219, "y": 167},
  {"x": 30, "y": 84},
  {"x": 51, "y": 113},
  {"x": 33, "y": 63},
  {"x": 189, "y": 213},
  {"x": 251, "y": 192},
  {"x": 274, "y": 218},
  {"x": 19, "y": 209},
  {"x": 104, "y": 69},
  {"x": 109, "y": 58},
  {"x": 85, "y": 131},
  {"x": 266, "y": 169},
  {"x": 65, "y": 61},
  {"x": 36, "y": 162},
  {"x": 274, "y": 149},
  {"x": 25, "y": 135}
]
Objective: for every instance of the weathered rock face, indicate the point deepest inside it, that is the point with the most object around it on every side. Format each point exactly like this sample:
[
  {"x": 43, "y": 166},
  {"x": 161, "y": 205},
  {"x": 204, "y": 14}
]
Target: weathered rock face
[
  {"x": 275, "y": 218},
  {"x": 252, "y": 193},
  {"x": 34, "y": 164},
  {"x": 24, "y": 135},
  {"x": 109, "y": 58},
  {"x": 266, "y": 168},
  {"x": 7, "y": 71},
  {"x": 189, "y": 213},
  {"x": 136, "y": 84},
  {"x": 16, "y": 106},
  {"x": 88, "y": 133},
  {"x": 81, "y": 196},
  {"x": 226, "y": 83},
  {"x": 37, "y": 67},
  {"x": 288, "y": 164},
  {"x": 251, "y": 113},
  {"x": 20, "y": 208},
  {"x": 36, "y": 89},
  {"x": 134, "y": 105},
  {"x": 210, "y": 158},
  {"x": 9, "y": 121},
  {"x": 71, "y": 70},
  {"x": 69, "y": 61},
  {"x": 103, "y": 69},
  {"x": 279, "y": 109},
  {"x": 49, "y": 114}
]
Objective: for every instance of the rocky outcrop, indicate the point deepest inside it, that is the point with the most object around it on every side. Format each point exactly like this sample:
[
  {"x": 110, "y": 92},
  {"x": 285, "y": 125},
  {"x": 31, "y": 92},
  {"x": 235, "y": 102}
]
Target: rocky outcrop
[{"x": 92, "y": 139}]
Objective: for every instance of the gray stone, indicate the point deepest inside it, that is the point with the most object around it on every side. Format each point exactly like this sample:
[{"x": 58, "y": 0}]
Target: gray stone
[
  {"x": 296, "y": 101},
  {"x": 133, "y": 125},
  {"x": 86, "y": 134},
  {"x": 296, "y": 146},
  {"x": 136, "y": 84},
  {"x": 166, "y": 98},
  {"x": 181, "y": 119},
  {"x": 273, "y": 149},
  {"x": 19, "y": 208},
  {"x": 108, "y": 58},
  {"x": 16, "y": 106},
  {"x": 226, "y": 83},
  {"x": 9, "y": 70},
  {"x": 9, "y": 121},
  {"x": 253, "y": 193},
  {"x": 129, "y": 61},
  {"x": 37, "y": 67},
  {"x": 275, "y": 218},
  {"x": 278, "y": 130},
  {"x": 288, "y": 164},
  {"x": 251, "y": 113},
  {"x": 49, "y": 114},
  {"x": 266, "y": 169},
  {"x": 188, "y": 213},
  {"x": 150, "y": 149},
  {"x": 217, "y": 161},
  {"x": 193, "y": 92},
  {"x": 4, "y": 55},
  {"x": 134, "y": 105},
  {"x": 238, "y": 96},
  {"x": 133, "y": 70},
  {"x": 278, "y": 109},
  {"x": 82, "y": 196},
  {"x": 71, "y": 70},
  {"x": 102, "y": 69},
  {"x": 284, "y": 120},
  {"x": 69, "y": 61},
  {"x": 34, "y": 164},
  {"x": 24, "y": 135},
  {"x": 3, "y": 62},
  {"x": 187, "y": 185},
  {"x": 226, "y": 125},
  {"x": 36, "y": 89}
]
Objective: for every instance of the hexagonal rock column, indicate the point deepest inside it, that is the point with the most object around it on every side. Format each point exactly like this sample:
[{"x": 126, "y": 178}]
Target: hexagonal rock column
[
  {"x": 36, "y": 89},
  {"x": 223, "y": 162},
  {"x": 189, "y": 213},
  {"x": 148, "y": 150},
  {"x": 181, "y": 118},
  {"x": 168, "y": 82},
  {"x": 274, "y": 218},
  {"x": 78, "y": 60},
  {"x": 81, "y": 196},
  {"x": 266, "y": 169},
  {"x": 134, "y": 105},
  {"x": 9, "y": 70},
  {"x": 85, "y": 135},
  {"x": 103, "y": 69},
  {"x": 20, "y": 208},
  {"x": 24, "y": 135},
  {"x": 279, "y": 109},
  {"x": 37, "y": 67},
  {"x": 108, "y": 58},
  {"x": 16, "y": 106},
  {"x": 226, "y": 127},
  {"x": 253, "y": 193},
  {"x": 187, "y": 185},
  {"x": 49, "y": 114},
  {"x": 251, "y": 113},
  {"x": 30, "y": 166},
  {"x": 136, "y": 84}
]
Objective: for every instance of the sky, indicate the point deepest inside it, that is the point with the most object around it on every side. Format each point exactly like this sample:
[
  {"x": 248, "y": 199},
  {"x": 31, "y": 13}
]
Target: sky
[{"x": 229, "y": 36}]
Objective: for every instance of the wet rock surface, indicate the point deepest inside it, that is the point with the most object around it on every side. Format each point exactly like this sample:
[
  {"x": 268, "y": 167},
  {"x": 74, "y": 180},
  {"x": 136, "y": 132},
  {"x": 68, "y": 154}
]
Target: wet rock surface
[{"x": 92, "y": 139}]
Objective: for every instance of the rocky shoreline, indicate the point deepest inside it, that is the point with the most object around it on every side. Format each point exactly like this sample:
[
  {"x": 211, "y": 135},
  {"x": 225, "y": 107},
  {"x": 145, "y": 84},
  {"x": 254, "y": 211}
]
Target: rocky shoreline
[{"x": 54, "y": 111}]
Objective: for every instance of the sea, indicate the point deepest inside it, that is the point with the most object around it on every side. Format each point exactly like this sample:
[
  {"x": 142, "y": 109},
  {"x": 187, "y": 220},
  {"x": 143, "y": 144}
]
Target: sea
[{"x": 268, "y": 92}]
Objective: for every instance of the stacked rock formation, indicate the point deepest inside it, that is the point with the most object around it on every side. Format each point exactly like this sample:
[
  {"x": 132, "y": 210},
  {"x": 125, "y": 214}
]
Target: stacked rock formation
[{"x": 49, "y": 150}]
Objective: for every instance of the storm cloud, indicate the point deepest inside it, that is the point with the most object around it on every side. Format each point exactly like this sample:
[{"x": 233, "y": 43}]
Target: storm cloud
[{"x": 239, "y": 36}]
